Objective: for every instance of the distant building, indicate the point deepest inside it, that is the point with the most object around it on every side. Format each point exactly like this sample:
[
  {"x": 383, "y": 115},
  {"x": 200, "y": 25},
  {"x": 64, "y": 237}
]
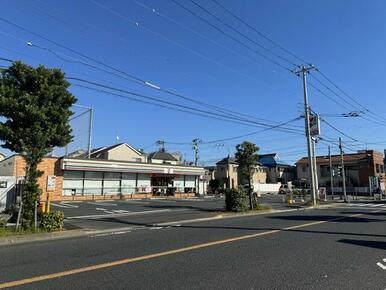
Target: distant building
[
  {"x": 228, "y": 175},
  {"x": 278, "y": 171},
  {"x": 358, "y": 166}
]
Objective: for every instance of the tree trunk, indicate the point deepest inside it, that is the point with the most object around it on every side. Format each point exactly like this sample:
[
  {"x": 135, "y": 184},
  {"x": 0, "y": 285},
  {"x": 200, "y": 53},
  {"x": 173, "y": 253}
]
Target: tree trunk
[{"x": 31, "y": 191}]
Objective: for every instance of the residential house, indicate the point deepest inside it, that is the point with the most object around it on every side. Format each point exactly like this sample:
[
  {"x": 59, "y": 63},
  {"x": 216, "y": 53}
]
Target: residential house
[
  {"x": 228, "y": 175},
  {"x": 277, "y": 170}
]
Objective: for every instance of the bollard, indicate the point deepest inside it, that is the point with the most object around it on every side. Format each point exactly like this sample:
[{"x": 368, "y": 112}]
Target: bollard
[{"x": 48, "y": 206}]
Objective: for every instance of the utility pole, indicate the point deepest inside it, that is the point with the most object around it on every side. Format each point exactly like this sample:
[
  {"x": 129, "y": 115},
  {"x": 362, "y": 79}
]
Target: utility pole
[
  {"x": 90, "y": 134},
  {"x": 314, "y": 164},
  {"x": 343, "y": 171},
  {"x": 331, "y": 174},
  {"x": 195, "y": 143},
  {"x": 303, "y": 72},
  {"x": 161, "y": 144}
]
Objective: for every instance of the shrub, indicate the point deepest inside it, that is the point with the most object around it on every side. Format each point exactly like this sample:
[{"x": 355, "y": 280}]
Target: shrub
[
  {"x": 3, "y": 221},
  {"x": 236, "y": 200},
  {"x": 52, "y": 221}
]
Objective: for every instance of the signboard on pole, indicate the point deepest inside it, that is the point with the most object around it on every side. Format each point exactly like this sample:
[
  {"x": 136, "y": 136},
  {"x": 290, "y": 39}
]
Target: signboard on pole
[
  {"x": 314, "y": 125},
  {"x": 51, "y": 182}
]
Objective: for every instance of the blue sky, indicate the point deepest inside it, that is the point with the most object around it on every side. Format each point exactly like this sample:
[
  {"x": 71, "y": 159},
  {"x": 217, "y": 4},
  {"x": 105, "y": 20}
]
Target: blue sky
[{"x": 169, "y": 47}]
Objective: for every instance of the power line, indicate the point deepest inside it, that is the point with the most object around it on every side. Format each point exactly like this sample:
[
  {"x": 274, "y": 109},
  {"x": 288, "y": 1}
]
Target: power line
[
  {"x": 230, "y": 36},
  {"x": 347, "y": 95},
  {"x": 242, "y": 34},
  {"x": 260, "y": 33},
  {"x": 120, "y": 73},
  {"x": 257, "y": 124},
  {"x": 129, "y": 77}
]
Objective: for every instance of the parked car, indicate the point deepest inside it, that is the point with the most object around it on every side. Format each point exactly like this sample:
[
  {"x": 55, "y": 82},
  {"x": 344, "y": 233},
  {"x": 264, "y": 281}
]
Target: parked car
[{"x": 284, "y": 189}]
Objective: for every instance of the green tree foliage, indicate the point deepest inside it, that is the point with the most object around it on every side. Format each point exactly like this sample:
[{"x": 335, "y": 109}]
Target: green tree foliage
[
  {"x": 247, "y": 157},
  {"x": 236, "y": 200},
  {"x": 35, "y": 109}
]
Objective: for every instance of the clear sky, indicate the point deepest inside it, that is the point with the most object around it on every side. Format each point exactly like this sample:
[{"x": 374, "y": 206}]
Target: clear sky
[{"x": 172, "y": 48}]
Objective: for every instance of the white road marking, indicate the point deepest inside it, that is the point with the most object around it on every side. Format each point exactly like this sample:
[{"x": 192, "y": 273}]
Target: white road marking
[
  {"x": 379, "y": 204},
  {"x": 102, "y": 203},
  {"x": 383, "y": 267},
  {"x": 155, "y": 228},
  {"x": 384, "y": 260},
  {"x": 120, "y": 211},
  {"x": 97, "y": 216},
  {"x": 60, "y": 205},
  {"x": 70, "y": 205},
  {"x": 104, "y": 210}
]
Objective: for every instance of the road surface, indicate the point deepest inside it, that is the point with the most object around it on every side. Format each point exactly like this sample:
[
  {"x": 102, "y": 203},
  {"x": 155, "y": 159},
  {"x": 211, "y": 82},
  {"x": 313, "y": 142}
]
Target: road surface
[{"x": 336, "y": 248}]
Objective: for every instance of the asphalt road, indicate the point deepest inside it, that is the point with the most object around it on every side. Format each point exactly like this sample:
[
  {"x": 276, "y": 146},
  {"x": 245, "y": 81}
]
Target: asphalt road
[
  {"x": 100, "y": 215},
  {"x": 341, "y": 248}
]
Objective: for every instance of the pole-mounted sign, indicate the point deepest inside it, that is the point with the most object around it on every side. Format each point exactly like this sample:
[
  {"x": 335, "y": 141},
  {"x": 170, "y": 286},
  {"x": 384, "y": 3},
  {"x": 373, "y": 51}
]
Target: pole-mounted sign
[{"x": 314, "y": 125}]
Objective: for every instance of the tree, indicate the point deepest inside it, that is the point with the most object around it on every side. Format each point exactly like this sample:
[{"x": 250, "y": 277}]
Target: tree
[
  {"x": 35, "y": 109},
  {"x": 246, "y": 157}
]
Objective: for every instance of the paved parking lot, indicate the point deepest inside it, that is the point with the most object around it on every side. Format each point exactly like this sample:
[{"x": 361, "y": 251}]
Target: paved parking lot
[
  {"x": 119, "y": 213},
  {"x": 125, "y": 213}
]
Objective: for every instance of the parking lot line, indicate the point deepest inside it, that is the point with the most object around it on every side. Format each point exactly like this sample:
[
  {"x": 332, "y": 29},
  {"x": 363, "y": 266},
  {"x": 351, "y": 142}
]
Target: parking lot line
[
  {"x": 60, "y": 205},
  {"x": 70, "y": 205},
  {"x": 98, "y": 216},
  {"x": 102, "y": 203}
]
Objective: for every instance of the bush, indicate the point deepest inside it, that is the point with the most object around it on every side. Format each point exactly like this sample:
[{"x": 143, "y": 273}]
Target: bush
[
  {"x": 3, "y": 221},
  {"x": 236, "y": 200},
  {"x": 52, "y": 221}
]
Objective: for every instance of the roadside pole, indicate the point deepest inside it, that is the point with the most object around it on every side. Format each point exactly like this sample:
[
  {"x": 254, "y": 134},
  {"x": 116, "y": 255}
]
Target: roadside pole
[
  {"x": 303, "y": 71},
  {"x": 331, "y": 174},
  {"x": 343, "y": 171},
  {"x": 314, "y": 164},
  {"x": 195, "y": 143},
  {"x": 89, "y": 134}
]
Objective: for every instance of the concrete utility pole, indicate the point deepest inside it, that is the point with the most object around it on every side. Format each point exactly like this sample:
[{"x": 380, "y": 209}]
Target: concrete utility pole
[
  {"x": 303, "y": 72},
  {"x": 90, "y": 134},
  {"x": 161, "y": 144},
  {"x": 331, "y": 174},
  {"x": 343, "y": 171},
  {"x": 195, "y": 143},
  {"x": 314, "y": 164}
]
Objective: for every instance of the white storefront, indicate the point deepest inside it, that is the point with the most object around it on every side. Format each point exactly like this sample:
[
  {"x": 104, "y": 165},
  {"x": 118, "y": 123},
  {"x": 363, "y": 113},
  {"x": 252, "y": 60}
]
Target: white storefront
[{"x": 99, "y": 177}]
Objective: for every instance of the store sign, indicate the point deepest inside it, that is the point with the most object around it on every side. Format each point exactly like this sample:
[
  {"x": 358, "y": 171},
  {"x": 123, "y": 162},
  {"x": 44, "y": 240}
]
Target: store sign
[
  {"x": 314, "y": 125},
  {"x": 373, "y": 183},
  {"x": 51, "y": 182}
]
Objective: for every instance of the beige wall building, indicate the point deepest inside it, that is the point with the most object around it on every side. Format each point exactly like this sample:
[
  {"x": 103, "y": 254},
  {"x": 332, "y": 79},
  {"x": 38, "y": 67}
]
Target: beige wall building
[{"x": 228, "y": 175}]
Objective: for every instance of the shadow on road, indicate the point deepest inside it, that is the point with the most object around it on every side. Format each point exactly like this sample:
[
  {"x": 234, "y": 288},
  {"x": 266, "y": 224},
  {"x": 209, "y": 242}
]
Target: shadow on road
[{"x": 370, "y": 244}]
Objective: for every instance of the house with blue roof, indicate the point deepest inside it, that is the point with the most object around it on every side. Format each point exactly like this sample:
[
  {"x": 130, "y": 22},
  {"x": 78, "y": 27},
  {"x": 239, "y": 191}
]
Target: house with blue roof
[{"x": 278, "y": 170}]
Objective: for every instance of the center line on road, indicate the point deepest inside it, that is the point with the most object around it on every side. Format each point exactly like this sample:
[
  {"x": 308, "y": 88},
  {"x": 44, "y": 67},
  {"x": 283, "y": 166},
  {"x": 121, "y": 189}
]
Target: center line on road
[{"x": 160, "y": 254}]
